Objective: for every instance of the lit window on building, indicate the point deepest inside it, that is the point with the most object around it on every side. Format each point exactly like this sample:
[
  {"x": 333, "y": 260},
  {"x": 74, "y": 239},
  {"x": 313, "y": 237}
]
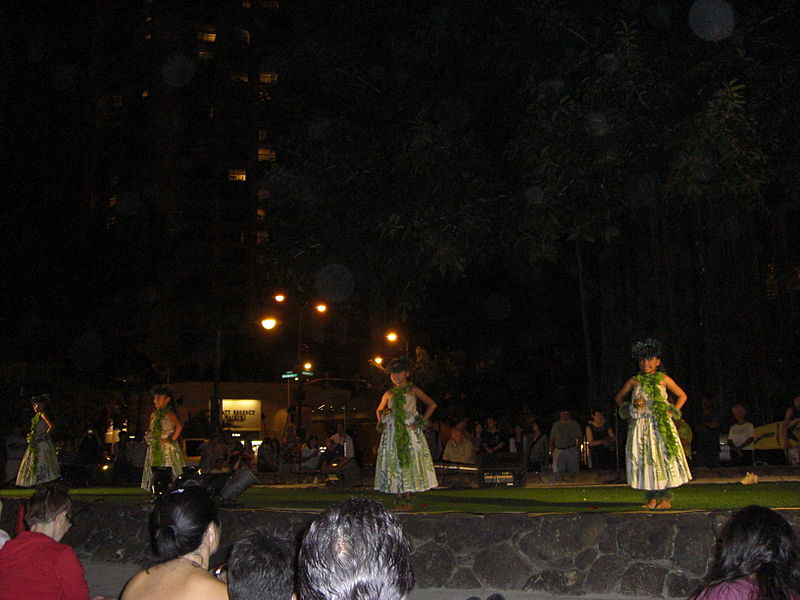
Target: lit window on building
[
  {"x": 145, "y": 93},
  {"x": 268, "y": 77},
  {"x": 262, "y": 135},
  {"x": 207, "y": 36},
  {"x": 266, "y": 154},
  {"x": 240, "y": 77},
  {"x": 237, "y": 175},
  {"x": 261, "y": 215},
  {"x": 262, "y": 194},
  {"x": 148, "y": 35},
  {"x": 205, "y": 55}
]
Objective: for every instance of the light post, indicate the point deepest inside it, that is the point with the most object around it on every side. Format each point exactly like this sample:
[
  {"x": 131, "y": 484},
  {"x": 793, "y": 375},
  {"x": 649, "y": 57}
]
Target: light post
[{"x": 394, "y": 337}]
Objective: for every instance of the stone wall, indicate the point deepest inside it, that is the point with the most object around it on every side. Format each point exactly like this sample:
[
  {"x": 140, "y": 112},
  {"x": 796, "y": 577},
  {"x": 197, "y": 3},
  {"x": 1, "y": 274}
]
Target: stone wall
[{"x": 659, "y": 555}]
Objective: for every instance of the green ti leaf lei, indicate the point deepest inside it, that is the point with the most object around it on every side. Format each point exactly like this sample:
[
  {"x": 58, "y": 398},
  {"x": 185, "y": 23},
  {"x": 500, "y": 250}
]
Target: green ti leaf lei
[
  {"x": 33, "y": 444},
  {"x": 661, "y": 411},
  {"x": 402, "y": 441},
  {"x": 156, "y": 433}
]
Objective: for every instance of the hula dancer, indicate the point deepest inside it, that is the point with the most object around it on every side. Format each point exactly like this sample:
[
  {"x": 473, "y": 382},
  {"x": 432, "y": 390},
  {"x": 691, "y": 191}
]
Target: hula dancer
[
  {"x": 163, "y": 449},
  {"x": 39, "y": 463},
  {"x": 655, "y": 461},
  {"x": 403, "y": 464}
]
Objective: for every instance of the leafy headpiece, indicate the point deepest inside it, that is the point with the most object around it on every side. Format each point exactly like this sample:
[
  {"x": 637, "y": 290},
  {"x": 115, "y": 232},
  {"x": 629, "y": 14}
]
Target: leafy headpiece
[{"x": 649, "y": 348}]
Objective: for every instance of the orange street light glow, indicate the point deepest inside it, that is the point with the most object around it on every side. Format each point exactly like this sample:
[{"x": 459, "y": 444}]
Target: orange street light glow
[
  {"x": 391, "y": 336},
  {"x": 321, "y": 308},
  {"x": 269, "y": 323},
  {"x": 279, "y": 297}
]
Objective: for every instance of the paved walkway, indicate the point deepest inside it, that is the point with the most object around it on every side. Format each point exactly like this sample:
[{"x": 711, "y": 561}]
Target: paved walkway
[{"x": 108, "y": 578}]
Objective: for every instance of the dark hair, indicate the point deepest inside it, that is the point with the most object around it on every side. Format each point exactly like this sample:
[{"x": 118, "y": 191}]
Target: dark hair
[
  {"x": 47, "y": 501},
  {"x": 162, "y": 390},
  {"x": 649, "y": 348},
  {"x": 756, "y": 541},
  {"x": 261, "y": 567},
  {"x": 179, "y": 519},
  {"x": 41, "y": 401},
  {"x": 596, "y": 410},
  {"x": 355, "y": 550},
  {"x": 398, "y": 365}
]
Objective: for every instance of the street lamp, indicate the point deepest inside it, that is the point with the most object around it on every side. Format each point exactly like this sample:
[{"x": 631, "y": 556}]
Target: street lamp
[
  {"x": 269, "y": 323},
  {"x": 393, "y": 337}
]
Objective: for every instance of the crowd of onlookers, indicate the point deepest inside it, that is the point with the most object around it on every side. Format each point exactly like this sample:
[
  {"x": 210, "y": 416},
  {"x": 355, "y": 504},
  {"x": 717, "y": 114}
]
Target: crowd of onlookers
[{"x": 355, "y": 550}]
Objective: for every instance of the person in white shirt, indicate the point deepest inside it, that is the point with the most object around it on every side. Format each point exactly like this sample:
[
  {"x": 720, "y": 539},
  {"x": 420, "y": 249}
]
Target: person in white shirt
[{"x": 740, "y": 437}]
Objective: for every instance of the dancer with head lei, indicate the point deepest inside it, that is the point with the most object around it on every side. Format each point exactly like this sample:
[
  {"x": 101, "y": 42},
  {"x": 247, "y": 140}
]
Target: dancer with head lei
[
  {"x": 163, "y": 448},
  {"x": 403, "y": 465},
  {"x": 654, "y": 458},
  {"x": 39, "y": 463}
]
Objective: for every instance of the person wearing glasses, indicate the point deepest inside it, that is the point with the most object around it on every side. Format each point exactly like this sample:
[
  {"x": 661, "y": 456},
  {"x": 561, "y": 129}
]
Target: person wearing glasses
[{"x": 35, "y": 564}]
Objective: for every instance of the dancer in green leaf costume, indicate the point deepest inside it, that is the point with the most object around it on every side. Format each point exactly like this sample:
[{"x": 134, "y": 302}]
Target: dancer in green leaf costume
[
  {"x": 39, "y": 463},
  {"x": 404, "y": 463},
  {"x": 163, "y": 447},
  {"x": 655, "y": 461}
]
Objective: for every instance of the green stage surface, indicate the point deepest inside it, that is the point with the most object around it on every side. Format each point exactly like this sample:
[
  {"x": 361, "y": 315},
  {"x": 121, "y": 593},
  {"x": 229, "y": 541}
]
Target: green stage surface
[{"x": 539, "y": 500}]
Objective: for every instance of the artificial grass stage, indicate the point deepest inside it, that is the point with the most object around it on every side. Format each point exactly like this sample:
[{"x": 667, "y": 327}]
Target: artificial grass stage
[{"x": 556, "y": 499}]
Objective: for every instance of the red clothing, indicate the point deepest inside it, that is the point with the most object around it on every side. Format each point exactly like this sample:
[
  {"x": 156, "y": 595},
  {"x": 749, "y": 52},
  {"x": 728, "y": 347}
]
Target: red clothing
[{"x": 33, "y": 565}]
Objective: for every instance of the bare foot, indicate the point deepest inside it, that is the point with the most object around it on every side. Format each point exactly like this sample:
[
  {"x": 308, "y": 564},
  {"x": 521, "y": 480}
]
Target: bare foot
[
  {"x": 650, "y": 505},
  {"x": 664, "y": 505}
]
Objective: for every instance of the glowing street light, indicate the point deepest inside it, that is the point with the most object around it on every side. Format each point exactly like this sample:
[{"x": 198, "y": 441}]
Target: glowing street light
[
  {"x": 393, "y": 337},
  {"x": 307, "y": 366},
  {"x": 279, "y": 297},
  {"x": 378, "y": 360},
  {"x": 321, "y": 308},
  {"x": 269, "y": 323}
]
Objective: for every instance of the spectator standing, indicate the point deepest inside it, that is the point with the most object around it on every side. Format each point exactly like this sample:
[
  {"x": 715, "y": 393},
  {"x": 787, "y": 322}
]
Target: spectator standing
[
  {"x": 213, "y": 454},
  {"x": 518, "y": 440},
  {"x": 706, "y": 435},
  {"x": 261, "y": 567},
  {"x": 340, "y": 443},
  {"x": 740, "y": 437},
  {"x": 459, "y": 449},
  {"x": 137, "y": 451},
  {"x": 121, "y": 467},
  {"x": 34, "y": 565},
  {"x": 539, "y": 449},
  {"x": 601, "y": 440},
  {"x": 492, "y": 438},
  {"x": 755, "y": 558},
  {"x": 565, "y": 435},
  {"x": 791, "y": 421},
  {"x": 355, "y": 549},
  {"x": 14, "y": 449}
]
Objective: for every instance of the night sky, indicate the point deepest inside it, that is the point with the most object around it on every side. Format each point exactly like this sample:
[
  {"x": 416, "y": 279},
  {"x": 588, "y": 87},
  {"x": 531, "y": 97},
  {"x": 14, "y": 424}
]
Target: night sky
[{"x": 525, "y": 188}]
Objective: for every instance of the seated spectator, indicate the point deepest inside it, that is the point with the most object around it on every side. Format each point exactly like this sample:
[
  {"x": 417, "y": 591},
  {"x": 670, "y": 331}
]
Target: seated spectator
[
  {"x": 290, "y": 449},
  {"x": 213, "y": 455},
  {"x": 755, "y": 558},
  {"x": 740, "y": 437},
  {"x": 355, "y": 550},
  {"x": 185, "y": 532},
  {"x": 261, "y": 567},
  {"x": 340, "y": 444},
  {"x": 538, "y": 451},
  {"x": 459, "y": 449},
  {"x": 34, "y": 564},
  {"x": 309, "y": 455},
  {"x": 477, "y": 439},
  {"x": 4, "y": 537},
  {"x": 601, "y": 440}
]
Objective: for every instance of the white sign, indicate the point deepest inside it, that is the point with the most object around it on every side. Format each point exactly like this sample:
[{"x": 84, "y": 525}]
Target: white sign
[{"x": 242, "y": 414}]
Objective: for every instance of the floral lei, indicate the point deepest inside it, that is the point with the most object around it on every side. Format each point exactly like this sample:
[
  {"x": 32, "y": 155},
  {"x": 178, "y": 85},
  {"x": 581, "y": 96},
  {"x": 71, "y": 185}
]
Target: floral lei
[
  {"x": 33, "y": 445},
  {"x": 661, "y": 411},
  {"x": 402, "y": 441}
]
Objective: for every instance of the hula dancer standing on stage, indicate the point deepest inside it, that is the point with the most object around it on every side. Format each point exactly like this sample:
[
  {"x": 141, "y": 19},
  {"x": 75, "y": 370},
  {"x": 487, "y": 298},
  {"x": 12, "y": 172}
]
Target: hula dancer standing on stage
[
  {"x": 655, "y": 461},
  {"x": 163, "y": 448},
  {"x": 39, "y": 463},
  {"x": 403, "y": 464}
]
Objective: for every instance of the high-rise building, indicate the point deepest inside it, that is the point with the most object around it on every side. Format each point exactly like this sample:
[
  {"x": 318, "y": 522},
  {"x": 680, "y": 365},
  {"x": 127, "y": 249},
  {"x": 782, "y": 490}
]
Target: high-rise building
[{"x": 183, "y": 135}]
